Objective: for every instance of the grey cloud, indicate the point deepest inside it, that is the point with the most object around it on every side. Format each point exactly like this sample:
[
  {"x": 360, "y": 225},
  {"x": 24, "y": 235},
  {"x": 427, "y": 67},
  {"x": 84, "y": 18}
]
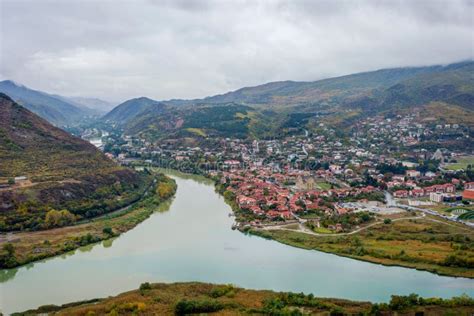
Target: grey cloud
[{"x": 186, "y": 49}]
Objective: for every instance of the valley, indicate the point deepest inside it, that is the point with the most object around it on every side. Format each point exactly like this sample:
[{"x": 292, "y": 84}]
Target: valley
[
  {"x": 190, "y": 238},
  {"x": 369, "y": 167}
]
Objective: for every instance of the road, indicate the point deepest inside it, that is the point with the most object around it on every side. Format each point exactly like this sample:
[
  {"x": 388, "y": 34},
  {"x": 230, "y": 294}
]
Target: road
[
  {"x": 305, "y": 230},
  {"x": 391, "y": 201}
]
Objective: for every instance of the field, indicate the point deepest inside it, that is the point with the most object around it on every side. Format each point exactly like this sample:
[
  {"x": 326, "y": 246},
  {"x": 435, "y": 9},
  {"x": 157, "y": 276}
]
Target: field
[
  {"x": 324, "y": 185},
  {"x": 462, "y": 163},
  {"x": 32, "y": 246},
  {"x": 204, "y": 299},
  {"x": 197, "y": 131},
  {"x": 426, "y": 243}
]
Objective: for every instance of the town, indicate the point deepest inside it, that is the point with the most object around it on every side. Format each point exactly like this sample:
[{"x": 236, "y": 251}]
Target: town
[{"x": 325, "y": 181}]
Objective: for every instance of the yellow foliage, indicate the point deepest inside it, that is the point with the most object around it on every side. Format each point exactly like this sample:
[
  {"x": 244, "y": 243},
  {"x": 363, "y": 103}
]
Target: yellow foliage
[
  {"x": 56, "y": 218},
  {"x": 164, "y": 190}
]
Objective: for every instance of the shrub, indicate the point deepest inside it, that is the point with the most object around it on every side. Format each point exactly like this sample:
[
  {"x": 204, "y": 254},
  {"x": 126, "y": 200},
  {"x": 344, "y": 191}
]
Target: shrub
[
  {"x": 59, "y": 218},
  {"x": 108, "y": 231},
  {"x": 184, "y": 307},
  {"x": 145, "y": 286},
  {"x": 387, "y": 221},
  {"x": 227, "y": 290}
]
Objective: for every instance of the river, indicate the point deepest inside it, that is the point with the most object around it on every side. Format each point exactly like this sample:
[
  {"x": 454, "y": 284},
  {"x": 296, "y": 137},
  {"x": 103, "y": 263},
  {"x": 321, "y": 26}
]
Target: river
[{"x": 190, "y": 239}]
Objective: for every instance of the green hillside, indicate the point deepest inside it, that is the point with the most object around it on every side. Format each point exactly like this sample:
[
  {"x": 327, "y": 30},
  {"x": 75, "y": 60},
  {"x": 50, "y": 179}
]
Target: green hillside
[
  {"x": 128, "y": 110},
  {"x": 278, "y": 108}
]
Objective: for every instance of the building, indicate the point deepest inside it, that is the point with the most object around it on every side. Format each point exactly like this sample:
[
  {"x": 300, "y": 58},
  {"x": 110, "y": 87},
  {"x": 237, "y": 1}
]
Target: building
[
  {"x": 436, "y": 197},
  {"x": 413, "y": 173},
  {"x": 468, "y": 194},
  {"x": 469, "y": 186},
  {"x": 400, "y": 194}
]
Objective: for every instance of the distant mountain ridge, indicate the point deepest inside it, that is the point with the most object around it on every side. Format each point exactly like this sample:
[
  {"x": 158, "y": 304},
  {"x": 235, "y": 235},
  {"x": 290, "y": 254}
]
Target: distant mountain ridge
[
  {"x": 272, "y": 108},
  {"x": 98, "y": 105},
  {"x": 54, "y": 109},
  {"x": 299, "y": 92}
]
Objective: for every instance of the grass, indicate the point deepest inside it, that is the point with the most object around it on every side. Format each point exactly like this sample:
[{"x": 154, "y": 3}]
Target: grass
[
  {"x": 197, "y": 131},
  {"x": 324, "y": 186},
  {"x": 37, "y": 245},
  {"x": 462, "y": 163},
  {"x": 448, "y": 113},
  {"x": 204, "y": 299},
  {"x": 323, "y": 230},
  {"x": 426, "y": 244}
]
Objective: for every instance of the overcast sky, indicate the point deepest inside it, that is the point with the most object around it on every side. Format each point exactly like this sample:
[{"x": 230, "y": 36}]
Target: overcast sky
[{"x": 117, "y": 50}]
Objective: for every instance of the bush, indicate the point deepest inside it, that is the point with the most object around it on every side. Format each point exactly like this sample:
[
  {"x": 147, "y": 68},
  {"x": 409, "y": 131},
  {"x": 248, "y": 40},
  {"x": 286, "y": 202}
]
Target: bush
[
  {"x": 59, "y": 218},
  {"x": 108, "y": 231},
  {"x": 145, "y": 286},
  {"x": 227, "y": 290},
  {"x": 387, "y": 221},
  {"x": 184, "y": 307},
  {"x": 400, "y": 302}
]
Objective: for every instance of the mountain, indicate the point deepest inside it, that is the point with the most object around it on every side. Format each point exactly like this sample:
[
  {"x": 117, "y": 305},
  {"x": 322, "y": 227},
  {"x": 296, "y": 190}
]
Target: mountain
[
  {"x": 98, "y": 105},
  {"x": 130, "y": 109},
  {"x": 57, "y": 170},
  {"x": 346, "y": 88},
  {"x": 274, "y": 108},
  {"x": 55, "y": 110}
]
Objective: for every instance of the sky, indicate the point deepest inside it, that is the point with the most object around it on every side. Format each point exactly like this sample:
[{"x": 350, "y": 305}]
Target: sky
[{"x": 116, "y": 50}]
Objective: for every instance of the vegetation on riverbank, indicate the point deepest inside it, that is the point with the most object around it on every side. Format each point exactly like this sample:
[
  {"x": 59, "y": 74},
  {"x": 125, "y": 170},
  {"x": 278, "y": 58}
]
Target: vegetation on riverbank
[
  {"x": 203, "y": 298},
  {"x": 426, "y": 244},
  {"x": 24, "y": 247},
  {"x": 49, "y": 178}
]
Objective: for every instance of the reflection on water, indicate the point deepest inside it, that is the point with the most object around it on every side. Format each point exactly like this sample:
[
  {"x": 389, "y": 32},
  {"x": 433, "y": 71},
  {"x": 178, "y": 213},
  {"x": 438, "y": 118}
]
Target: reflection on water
[
  {"x": 190, "y": 239},
  {"x": 7, "y": 274}
]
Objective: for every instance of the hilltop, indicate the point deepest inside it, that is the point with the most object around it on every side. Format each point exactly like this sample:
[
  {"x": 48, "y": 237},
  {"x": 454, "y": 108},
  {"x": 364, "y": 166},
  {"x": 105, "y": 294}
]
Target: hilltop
[
  {"x": 130, "y": 109},
  {"x": 45, "y": 169}
]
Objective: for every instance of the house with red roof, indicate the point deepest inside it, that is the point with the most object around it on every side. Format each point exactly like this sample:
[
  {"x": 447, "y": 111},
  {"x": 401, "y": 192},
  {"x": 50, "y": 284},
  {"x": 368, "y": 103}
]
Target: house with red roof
[
  {"x": 400, "y": 194},
  {"x": 468, "y": 194}
]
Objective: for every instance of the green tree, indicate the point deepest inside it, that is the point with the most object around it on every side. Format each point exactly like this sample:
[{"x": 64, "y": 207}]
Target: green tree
[{"x": 10, "y": 249}]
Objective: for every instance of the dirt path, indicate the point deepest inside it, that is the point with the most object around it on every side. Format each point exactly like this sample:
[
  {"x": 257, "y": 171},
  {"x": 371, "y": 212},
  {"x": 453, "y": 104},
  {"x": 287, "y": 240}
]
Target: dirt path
[{"x": 305, "y": 230}]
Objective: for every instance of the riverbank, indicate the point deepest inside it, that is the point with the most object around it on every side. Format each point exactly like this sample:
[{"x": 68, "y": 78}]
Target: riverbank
[
  {"x": 26, "y": 247},
  {"x": 193, "y": 297},
  {"x": 423, "y": 243}
]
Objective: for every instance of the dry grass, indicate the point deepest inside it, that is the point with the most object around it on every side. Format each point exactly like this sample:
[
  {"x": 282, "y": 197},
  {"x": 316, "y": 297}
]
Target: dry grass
[{"x": 422, "y": 244}]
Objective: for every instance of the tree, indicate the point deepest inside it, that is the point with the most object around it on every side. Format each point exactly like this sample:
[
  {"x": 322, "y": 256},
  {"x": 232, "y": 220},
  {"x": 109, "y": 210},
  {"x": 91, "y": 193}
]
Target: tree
[
  {"x": 11, "y": 181},
  {"x": 387, "y": 221},
  {"x": 56, "y": 218},
  {"x": 164, "y": 190},
  {"x": 108, "y": 231},
  {"x": 10, "y": 249}
]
